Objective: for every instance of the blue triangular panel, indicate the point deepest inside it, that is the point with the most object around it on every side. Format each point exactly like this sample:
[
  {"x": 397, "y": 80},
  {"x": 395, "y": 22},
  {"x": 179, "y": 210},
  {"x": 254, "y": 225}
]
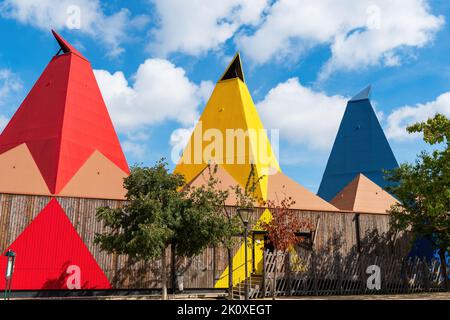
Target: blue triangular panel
[{"x": 360, "y": 147}]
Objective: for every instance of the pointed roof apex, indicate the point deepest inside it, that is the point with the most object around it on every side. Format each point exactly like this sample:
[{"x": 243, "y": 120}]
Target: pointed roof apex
[
  {"x": 364, "y": 195},
  {"x": 234, "y": 69},
  {"x": 66, "y": 46},
  {"x": 363, "y": 95}
]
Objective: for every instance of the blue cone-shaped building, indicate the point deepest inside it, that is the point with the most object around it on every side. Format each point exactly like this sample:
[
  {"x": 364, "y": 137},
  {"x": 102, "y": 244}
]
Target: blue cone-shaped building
[{"x": 360, "y": 147}]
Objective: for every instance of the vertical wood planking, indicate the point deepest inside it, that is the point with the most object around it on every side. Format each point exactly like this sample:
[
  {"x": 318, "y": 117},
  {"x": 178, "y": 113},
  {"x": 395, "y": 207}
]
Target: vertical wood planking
[{"x": 335, "y": 235}]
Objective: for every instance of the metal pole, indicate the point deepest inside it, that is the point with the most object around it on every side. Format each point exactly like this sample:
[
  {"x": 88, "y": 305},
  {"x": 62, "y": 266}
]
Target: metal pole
[
  {"x": 5, "y": 296},
  {"x": 246, "y": 261},
  {"x": 9, "y": 288},
  {"x": 11, "y": 255},
  {"x": 264, "y": 273},
  {"x": 253, "y": 253}
]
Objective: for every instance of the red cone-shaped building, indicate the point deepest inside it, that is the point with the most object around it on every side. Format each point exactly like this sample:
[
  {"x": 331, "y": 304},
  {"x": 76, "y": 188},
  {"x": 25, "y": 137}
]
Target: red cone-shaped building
[
  {"x": 60, "y": 142},
  {"x": 63, "y": 121}
]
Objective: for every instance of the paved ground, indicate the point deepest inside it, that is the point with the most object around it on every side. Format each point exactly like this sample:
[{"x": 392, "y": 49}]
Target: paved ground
[{"x": 420, "y": 296}]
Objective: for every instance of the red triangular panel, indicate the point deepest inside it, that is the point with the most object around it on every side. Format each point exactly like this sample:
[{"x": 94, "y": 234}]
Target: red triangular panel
[
  {"x": 63, "y": 120},
  {"x": 87, "y": 125},
  {"x": 46, "y": 250},
  {"x": 38, "y": 122}
]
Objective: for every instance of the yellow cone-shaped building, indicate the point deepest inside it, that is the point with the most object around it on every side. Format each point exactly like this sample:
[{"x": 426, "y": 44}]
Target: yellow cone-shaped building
[{"x": 231, "y": 135}]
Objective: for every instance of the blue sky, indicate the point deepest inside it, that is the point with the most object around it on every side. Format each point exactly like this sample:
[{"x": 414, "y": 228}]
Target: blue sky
[{"x": 157, "y": 60}]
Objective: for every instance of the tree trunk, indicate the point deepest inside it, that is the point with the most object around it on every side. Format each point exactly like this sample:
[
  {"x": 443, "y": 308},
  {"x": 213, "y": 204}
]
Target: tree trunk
[
  {"x": 287, "y": 270},
  {"x": 444, "y": 268},
  {"x": 164, "y": 275},
  {"x": 230, "y": 273},
  {"x": 173, "y": 268}
]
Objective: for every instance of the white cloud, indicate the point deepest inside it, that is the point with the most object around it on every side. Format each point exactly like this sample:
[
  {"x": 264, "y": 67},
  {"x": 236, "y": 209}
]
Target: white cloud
[
  {"x": 3, "y": 122},
  {"x": 402, "y": 117},
  {"x": 205, "y": 90},
  {"x": 311, "y": 118},
  {"x": 360, "y": 33},
  {"x": 9, "y": 84},
  {"x": 302, "y": 115},
  {"x": 160, "y": 92},
  {"x": 197, "y": 26},
  {"x": 133, "y": 149},
  {"x": 85, "y": 15}
]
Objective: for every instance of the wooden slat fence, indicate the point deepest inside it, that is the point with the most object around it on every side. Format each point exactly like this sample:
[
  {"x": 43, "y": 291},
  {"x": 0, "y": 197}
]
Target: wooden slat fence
[
  {"x": 332, "y": 275},
  {"x": 334, "y": 240}
]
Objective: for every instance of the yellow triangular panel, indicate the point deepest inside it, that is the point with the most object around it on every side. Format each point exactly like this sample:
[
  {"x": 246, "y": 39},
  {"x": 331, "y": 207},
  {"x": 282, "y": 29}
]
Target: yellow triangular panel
[
  {"x": 230, "y": 134},
  {"x": 239, "y": 258}
]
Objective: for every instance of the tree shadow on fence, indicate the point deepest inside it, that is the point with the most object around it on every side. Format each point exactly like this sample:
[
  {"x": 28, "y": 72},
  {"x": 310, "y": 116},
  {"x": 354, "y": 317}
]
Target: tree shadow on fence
[
  {"x": 377, "y": 264},
  {"x": 137, "y": 275}
]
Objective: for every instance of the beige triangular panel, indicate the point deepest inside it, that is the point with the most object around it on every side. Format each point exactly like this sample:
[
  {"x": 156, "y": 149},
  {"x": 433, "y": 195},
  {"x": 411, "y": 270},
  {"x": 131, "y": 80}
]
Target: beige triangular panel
[
  {"x": 226, "y": 182},
  {"x": 98, "y": 178},
  {"x": 280, "y": 187},
  {"x": 363, "y": 195},
  {"x": 20, "y": 174}
]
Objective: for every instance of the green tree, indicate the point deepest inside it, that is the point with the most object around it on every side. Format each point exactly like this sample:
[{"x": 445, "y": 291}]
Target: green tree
[
  {"x": 160, "y": 213},
  {"x": 423, "y": 190},
  {"x": 211, "y": 199}
]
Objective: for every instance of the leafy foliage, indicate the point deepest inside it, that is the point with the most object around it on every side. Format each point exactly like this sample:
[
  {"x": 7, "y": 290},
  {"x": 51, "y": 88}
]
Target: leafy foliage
[
  {"x": 146, "y": 225},
  {"x": 206, "y": 217},
  {"x": 285, "y": 224},
  {"x": 160, "y": 212},
  {"x": 423, "y": 188}
]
